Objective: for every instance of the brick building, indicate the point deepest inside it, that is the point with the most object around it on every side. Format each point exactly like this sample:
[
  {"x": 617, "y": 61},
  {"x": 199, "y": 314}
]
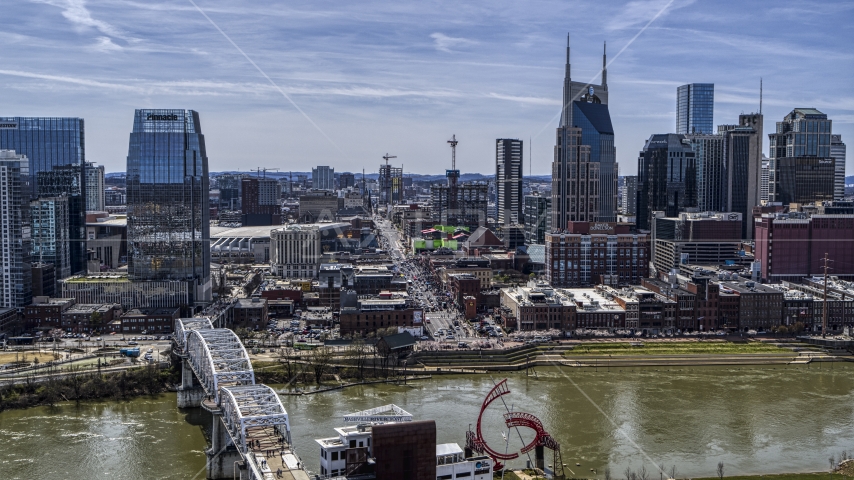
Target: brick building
[
  {"x": 149, "y": 320},
  {"x": 792, "y": 246},
  {"x": 45, "y": 313},
  {"x": 361, "y": 316},
  {"x": 590, "y": 254},
  {"x": 251, "y": 313},
  {"x": 461, "y": 285},
  {"x": 87, "y": 318}
]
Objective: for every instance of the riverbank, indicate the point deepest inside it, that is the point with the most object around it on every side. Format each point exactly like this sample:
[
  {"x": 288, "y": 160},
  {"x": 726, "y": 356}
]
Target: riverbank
[{"x": 77, "y": 386}]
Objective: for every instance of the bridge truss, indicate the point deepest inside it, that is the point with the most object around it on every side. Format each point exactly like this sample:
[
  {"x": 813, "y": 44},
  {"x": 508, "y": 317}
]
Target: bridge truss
[
  {"x": 253, "y": 411},
  {"x": 183, "y": 327},
  {"x": 218, "y": 358}
]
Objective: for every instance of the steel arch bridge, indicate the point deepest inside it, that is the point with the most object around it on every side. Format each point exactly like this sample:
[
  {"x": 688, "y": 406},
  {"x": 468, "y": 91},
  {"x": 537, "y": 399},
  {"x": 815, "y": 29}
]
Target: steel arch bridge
[
  {"x": 248, "y": 415},
  {"x": 183, "y": 327},
  {"x": 252, "y": 411},
  {"x": 218, "y": 359}
]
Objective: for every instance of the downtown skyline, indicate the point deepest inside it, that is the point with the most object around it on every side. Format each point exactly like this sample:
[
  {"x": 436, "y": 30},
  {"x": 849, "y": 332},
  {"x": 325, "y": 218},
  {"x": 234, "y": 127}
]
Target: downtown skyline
[{"x": 403, "y": 78}]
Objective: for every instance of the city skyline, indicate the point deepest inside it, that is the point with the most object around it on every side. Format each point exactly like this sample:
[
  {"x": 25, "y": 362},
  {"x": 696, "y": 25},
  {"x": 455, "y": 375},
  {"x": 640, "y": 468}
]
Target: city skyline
[{"x": 403, "y": 80}]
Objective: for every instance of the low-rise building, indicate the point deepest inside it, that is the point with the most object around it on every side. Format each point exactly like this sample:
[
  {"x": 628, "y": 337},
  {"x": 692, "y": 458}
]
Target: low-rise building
[
  {"x": 363, "y": 315},
  {"x": 149, "y": 320},
  {"x": 88, "y": 318},
  {"x": 45, "y": 313},
  {"x": 251, "y": 313},
  {"x": 591, "y": 253}
]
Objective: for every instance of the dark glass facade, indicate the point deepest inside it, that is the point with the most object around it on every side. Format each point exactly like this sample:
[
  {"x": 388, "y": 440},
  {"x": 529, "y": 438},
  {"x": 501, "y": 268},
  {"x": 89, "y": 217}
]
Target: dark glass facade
[
  {"x": 594, "y": 120},
  {"x": 167, "y": 189},
  {"x": 667, "y": 178},
  {"x": 47, "y": 142},
  {"x": 67, "y": 180},
  {"x": 695, "y": 108}
]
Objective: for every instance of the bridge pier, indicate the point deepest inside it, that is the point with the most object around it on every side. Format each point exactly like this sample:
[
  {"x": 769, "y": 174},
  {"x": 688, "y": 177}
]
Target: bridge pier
[
  {"x": 190, "y": 395},
  {"x": 222, "y": 455}
]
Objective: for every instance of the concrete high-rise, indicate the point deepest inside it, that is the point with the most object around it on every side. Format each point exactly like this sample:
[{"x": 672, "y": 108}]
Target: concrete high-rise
[
  {"x": 323, "y": 178},
  {"x": 586, "y": 121},
  {"x": 94, "y": 187},
  {"x": 743, "y": 156},
  {"x": 667, "y": 178},
  {"x": 695, "y": 108},
  {"x": 16, "y": 289},
  {"x": 50, "y": 243},
  {"x": 630, "y": 195},
  {"x": 168, "y": 214},
  {"x": 46, "y": 142},
  {"x": 837, "y": 151},
  {"x": 508, "y": 181}
]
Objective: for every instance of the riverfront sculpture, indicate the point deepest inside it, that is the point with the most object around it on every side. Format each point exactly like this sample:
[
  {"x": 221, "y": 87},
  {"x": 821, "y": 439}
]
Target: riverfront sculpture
[{"x": 476, "y": 443}]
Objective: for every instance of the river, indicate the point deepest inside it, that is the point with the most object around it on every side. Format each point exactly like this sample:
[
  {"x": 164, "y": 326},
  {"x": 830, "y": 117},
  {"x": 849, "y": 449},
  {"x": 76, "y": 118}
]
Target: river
[{"x": 755, "y": 419}]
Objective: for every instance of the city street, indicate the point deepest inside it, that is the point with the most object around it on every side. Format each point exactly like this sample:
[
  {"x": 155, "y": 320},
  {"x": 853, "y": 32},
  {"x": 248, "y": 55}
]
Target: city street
[{"x": 425, "y": 292}]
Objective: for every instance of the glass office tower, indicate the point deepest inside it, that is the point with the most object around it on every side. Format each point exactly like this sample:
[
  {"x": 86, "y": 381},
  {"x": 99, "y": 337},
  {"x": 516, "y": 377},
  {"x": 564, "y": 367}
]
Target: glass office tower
[
  {"x": 695, "y": 108},
  {"x": 47, "y": 142},
  {"x": 167, "y": 201}
]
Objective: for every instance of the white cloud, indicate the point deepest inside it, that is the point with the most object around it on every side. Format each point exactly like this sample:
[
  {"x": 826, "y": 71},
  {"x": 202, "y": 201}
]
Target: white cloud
[
  {"x": 530, "y": 100},
  {"x": 75, "y": 11},
  {"x": 105, "y": 44},
  {"x": 445, "y": 43},
  {"x": 639, "y": 12}
]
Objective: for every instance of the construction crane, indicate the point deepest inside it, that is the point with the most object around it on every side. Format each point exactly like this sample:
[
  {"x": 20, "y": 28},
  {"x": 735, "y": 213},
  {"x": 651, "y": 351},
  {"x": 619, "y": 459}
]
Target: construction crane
[
  {"x": 265, "y": 171},
  {"x": 453, "y": 176},
  {"x": 387, "y": 183}
]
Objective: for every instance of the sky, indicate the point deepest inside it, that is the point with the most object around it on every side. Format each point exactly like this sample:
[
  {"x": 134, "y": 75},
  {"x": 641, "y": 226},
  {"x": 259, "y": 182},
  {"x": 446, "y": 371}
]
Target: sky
[{"x": 296, "y": 84}]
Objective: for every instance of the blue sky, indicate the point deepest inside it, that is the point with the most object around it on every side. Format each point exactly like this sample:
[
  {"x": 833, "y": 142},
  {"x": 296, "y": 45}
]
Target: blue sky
[{"x": 402, "y": 77}]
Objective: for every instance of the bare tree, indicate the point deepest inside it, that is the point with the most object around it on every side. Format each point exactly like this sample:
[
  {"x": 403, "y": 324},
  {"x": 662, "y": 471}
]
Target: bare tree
[
  {"x": 629, "y": 473},
  {"x": 319, "y": 360},
  {"x": 673, "y": 471},
  {"x": 832, "y": 461},
  {"x": 721, "y": 469},
  {"x": 287, "y": 361},
  {"x": 643, "y": 474},
  {"x": 607, "y": 473},
  {"x": 358, "y": 352}
]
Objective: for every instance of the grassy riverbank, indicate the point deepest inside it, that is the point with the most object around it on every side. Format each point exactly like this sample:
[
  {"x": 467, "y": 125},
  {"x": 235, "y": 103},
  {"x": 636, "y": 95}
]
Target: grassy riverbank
[
  {"x": 783, "y": 476},
  {"x": 675, "y": 348},
  {"x": 76, "y": 386}
]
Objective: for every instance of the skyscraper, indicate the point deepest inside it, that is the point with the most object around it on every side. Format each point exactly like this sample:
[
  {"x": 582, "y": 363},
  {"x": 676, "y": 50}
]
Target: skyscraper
[
  {"x": 695, "y": 108},
  {"x": 585, "y": 109},
  {"x": 16, "y": 286},
  {"x": 743, "y": 157},
  {"x": 508, "y": 181},
  {"x": 667, "y": 177},
  {"x": 711, "y": 171},
  {"x": 537, "y": 218},
  {"x": 837, "y": 151},
  {"x": 94, "y": 187},
  {"x": 630, "y": 195},
  {"x": 801, "y": 148},
  {"x": 68, "y": 181},
  {"x": 50, "y": 242},
  {"x": 168, "y": 215},
  {"x": 323, "y": 178},
  {"x": 46, "y": 142}
]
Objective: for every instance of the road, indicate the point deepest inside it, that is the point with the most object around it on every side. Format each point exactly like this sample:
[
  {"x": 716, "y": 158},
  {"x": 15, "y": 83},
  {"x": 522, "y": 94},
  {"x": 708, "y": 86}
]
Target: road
[{"x": 425, "y": 290}]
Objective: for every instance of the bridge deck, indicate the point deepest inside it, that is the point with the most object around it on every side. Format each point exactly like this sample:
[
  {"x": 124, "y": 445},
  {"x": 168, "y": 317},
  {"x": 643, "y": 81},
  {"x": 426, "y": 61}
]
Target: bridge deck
[{"x": 270, "y": 447}]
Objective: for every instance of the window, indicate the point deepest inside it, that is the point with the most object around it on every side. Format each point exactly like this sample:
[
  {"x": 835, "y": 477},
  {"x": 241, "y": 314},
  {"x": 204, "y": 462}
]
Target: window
[{"x": 334, "y": 456}]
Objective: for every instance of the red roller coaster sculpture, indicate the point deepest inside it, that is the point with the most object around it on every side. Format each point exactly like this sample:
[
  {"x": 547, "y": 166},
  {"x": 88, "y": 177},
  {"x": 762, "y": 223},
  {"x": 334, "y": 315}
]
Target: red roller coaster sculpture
[{"x": 476, "y": 442}]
